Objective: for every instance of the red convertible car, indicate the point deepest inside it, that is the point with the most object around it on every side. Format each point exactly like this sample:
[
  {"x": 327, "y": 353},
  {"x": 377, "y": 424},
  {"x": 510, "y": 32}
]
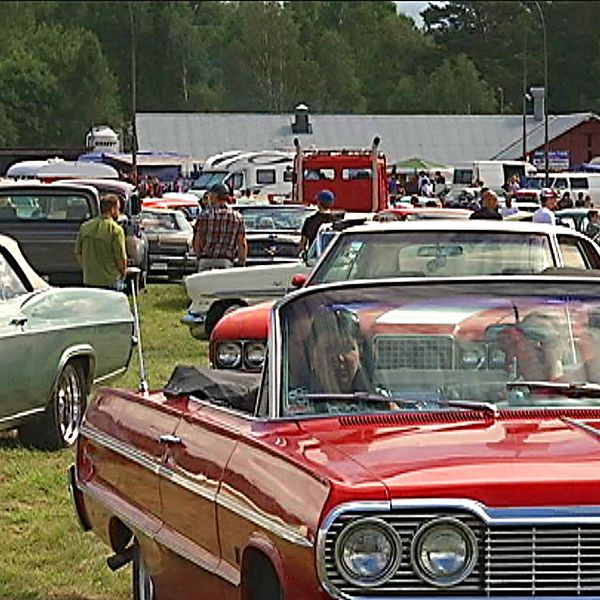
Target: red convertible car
[
  {"x": 427, "y": 248},
  {"x": 407, "y": 439}
]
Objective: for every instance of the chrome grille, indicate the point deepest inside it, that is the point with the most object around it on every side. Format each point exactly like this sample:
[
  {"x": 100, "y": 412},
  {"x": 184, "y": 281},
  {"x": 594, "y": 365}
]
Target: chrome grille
[
  {"x": 414, "y": 352},
  {"x": 524, "y": 560}
]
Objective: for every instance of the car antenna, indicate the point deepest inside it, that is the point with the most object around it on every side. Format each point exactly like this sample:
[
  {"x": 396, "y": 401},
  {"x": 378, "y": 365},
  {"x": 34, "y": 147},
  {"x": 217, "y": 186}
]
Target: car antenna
[{"x": 134, "y": 274}]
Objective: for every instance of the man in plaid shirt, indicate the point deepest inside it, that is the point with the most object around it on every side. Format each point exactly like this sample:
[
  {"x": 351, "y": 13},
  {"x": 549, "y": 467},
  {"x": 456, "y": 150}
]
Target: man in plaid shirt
[{"x": 220, "y": 234}]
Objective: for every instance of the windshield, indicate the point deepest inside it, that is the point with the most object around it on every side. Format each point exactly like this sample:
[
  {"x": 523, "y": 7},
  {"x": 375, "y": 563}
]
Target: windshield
[
  {"x": 433, "y": 254},
  {"x": 209, "y": 178},
  {"x": 285, "y": 219},
  {"x": 165, "y": 222},
  {"x": 429, "y": 346}
]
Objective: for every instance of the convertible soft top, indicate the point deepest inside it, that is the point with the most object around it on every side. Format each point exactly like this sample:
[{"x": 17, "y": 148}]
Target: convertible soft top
[{"x": 233, "y": 389}]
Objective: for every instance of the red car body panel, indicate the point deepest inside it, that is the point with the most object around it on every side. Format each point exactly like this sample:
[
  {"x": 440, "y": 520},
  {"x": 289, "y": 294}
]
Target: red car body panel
[{"x": 236, "y": 484}]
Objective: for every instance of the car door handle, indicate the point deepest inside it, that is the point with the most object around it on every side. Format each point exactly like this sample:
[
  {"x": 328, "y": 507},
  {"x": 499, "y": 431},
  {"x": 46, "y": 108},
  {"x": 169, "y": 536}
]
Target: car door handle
[
  {"x": 171, "y": 440},
  {"x": 18, "y": 321}
]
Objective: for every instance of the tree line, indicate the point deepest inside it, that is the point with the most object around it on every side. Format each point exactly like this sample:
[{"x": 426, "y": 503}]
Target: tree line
[{"x": 67, "y": 65}]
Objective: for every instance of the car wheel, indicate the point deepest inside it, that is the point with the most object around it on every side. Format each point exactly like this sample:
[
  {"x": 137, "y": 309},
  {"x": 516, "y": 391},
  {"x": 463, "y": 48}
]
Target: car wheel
[
  {"x": 59, "y": 425},
  {"x": 216, "y": 312},
  {"x": 143, "y": 588}
]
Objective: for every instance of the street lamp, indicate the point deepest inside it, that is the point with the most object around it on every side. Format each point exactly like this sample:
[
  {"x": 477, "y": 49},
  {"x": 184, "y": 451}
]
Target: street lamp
[
  {"x": 134, "y": 142},
  {"x": 526, "y": 99},
  {"x": 546, "y": 143}
]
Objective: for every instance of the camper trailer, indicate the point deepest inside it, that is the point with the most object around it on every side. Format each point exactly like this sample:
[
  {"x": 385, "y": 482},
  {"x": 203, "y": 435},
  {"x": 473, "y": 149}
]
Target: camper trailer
[
  {"x": 266, "y": 173},
  {"x": 493, "y": 173}
]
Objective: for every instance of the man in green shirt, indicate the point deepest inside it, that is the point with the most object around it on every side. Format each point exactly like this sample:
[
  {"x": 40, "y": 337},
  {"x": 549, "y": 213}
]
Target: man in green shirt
[{"x": 100, "y": 247}]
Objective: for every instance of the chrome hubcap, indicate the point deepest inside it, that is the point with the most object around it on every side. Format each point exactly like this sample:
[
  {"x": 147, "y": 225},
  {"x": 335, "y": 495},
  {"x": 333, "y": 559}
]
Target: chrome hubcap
[{"x": 69, "y": 404}]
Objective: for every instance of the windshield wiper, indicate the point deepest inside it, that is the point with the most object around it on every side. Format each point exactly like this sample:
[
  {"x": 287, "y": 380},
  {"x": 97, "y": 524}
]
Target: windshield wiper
[
  {"x": 489, "y": 407},
  {"x": 354, "y": 396},
  {"x": 571, "y": 389},
  {"x": 412, "y": 403}
]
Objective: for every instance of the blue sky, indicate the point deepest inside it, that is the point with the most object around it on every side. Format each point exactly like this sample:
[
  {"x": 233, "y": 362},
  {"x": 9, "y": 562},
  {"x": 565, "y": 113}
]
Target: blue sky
[{"x": 412, "y": 9}]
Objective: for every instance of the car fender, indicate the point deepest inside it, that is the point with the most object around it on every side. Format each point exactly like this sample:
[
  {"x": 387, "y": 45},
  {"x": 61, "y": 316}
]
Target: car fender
[{"x": 77, "y": 351}]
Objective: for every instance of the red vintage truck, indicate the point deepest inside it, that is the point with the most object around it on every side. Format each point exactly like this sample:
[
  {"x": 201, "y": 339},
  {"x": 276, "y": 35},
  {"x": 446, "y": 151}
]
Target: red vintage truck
[{"x": 357, "y": 177}]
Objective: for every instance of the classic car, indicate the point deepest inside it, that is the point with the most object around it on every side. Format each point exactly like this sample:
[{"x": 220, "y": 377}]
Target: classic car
[
  {"x": 219, "y": 291},
  {"x": 411, "y": 213},
  {"x": 45, "y": 219},
  {"x": 188, "y": 204},
  {"x": 273, "y": 231},
  {"x": 416, "y": 438},
  {"x": 423, "y": 249},
  {"x": 54, "y": 344},
  {"x": 170, "y": 238}
]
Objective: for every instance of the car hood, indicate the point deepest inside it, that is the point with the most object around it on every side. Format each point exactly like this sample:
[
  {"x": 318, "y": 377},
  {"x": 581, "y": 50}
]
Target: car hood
[{"x": 510, "y": 461}]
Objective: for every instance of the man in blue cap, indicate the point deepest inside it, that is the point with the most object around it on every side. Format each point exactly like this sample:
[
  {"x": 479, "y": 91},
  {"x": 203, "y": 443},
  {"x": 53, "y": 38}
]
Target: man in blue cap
[{"x": 310, "y": 228}]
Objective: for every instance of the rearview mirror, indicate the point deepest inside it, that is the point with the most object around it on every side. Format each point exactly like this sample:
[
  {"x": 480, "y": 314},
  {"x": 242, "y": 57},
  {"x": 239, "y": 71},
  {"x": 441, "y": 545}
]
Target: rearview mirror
[{"x": 298, "y": 280}]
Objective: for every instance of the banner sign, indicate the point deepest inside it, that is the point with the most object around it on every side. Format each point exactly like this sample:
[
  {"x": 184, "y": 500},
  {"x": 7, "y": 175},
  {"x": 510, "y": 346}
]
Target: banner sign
[{"x": 558, "y": 160}]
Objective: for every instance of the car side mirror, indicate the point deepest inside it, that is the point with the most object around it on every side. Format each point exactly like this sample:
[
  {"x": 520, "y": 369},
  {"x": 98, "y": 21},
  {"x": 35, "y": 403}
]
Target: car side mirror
[{"x": 298, "y": 280}]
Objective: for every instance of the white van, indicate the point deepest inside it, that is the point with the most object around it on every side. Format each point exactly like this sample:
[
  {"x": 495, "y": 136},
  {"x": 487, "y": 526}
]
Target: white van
[
  {"x": 265, "y": 173},
  {"x": 587, "y": 183},
  {"x": 493, "y": 173}
]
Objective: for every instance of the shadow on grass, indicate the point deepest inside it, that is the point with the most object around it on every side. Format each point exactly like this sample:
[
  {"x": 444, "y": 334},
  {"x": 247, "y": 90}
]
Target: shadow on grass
[
  {"x": 174, "y": 302},
  {"x": 9, "y": 441}
]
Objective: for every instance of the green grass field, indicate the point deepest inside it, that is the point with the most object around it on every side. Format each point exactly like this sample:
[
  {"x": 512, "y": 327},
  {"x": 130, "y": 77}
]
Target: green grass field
[{"x": 43, "y": 553}]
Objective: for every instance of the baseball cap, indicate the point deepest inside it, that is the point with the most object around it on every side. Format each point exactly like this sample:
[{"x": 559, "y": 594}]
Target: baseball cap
[
  {"x": 325, "y": 197},
  {"x": 220, "y": 190}
]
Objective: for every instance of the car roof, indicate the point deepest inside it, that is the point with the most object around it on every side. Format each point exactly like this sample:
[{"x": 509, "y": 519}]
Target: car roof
[
  {"x": 18, "y": 186},
  {"x": 108, "y": 183},
  {"x": 160, "y": 210},
  {"x": 459, "y": 225}
]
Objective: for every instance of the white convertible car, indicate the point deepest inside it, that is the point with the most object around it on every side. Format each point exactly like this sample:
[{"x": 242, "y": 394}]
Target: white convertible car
[{"x": 216, "y": 292}]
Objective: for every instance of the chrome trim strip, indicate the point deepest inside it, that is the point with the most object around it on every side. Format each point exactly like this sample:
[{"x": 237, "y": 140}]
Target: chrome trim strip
[
  {"x": 517, "y": 515},
  {"x": 552, "y": 515},
  {"x": 263, "y": 520},
  {"x": 82, "y": 325},
  {"x": 130, "y": 521},
  {"x": 583, "y": 426},
  {"x": 180, "y": 545},
  {"x": 140, "y": 458},
  {"x": 22, "y": 415},
  {"x": 73, "y": 490},
  {"x": 199, "y": 489},
  {"x": 110, "y": 375},
  {"x": 275, "y": 364},
  {"x": 205, "y": 491},
  {"x": 73, "y": 352},
  {"x": 225, "y": 409}
]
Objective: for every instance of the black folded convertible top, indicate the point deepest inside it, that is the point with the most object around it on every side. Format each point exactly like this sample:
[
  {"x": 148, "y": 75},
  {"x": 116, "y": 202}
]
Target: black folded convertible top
[{"x": 226, "y": 388}]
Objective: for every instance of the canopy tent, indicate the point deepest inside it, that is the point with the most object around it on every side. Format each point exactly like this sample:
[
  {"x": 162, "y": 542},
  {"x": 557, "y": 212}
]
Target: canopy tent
[{"x": 419, "y": 164}]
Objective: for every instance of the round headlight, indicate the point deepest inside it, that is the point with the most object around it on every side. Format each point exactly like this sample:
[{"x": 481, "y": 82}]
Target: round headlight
[
  {"x": 228, "y": 355},
  {"x": 368, "y": 552},
  {"x": 444, "y": 552},
  {"x": 254, "y": 355}
]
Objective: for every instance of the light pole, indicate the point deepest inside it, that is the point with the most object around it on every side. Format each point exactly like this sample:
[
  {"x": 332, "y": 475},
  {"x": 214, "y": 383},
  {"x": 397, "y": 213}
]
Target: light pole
[
  {"x": 501, "y": 94},
  {"x": 546, "y": 143},
  {"x": 133, "y": 98}
]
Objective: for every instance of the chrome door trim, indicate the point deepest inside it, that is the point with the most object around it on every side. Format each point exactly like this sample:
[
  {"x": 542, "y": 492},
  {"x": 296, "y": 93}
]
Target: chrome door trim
[
  {"x": 206, "y": 489},
  {"x": 110, "y": 375},
  {"x": 22, "y": 415},
  {"x": 263, "y": 520},
  {"x": 140, "y": 458}
]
